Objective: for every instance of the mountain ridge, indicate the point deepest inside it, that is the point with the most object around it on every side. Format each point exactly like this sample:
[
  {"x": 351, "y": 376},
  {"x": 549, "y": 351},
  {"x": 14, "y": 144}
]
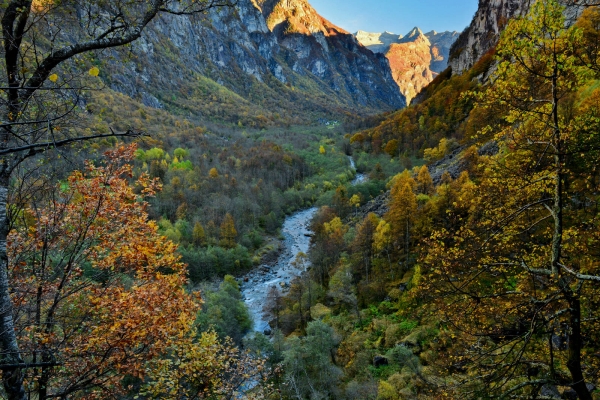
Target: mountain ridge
[
  {"x": 230, "y": 65},
  {"x": 416, "y": 58}
]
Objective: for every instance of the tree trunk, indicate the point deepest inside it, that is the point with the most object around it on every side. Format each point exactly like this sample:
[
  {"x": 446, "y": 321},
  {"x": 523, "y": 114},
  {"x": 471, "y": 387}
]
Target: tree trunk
[
  {"x": 574, "y": 351},
  {"x": 11, "y": 378}
]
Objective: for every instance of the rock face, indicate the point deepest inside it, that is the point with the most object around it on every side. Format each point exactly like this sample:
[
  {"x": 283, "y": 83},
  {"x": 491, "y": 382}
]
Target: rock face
[
  {"x": 488, "y": 23},
  {"x": 330, "y": 53},
  {"x": 279, "y": 55},
  {"x": 441, "y": 42},
  {"x": 415, "y": 59},
  {"x": 410, "y": 61},
  {"x": 484, "y": 31}
]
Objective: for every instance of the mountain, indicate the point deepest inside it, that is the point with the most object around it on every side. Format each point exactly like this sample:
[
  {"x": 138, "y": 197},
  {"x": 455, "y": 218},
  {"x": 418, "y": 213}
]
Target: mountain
[
  {"x": 377, "y": 42},
  {"x": 441, "y": 42},
  {"x": 415, "y": 59},
  {"x": 330, "y": 52},
  {"x": 483, "y": 33},
  {"x": 410, "y": 60},
  {"x": 258, "y": 63}
]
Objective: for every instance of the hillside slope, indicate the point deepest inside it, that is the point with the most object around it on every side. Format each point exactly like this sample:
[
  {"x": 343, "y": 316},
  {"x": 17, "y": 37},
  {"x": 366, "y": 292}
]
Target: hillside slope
[{"x": 233, "y": 66}]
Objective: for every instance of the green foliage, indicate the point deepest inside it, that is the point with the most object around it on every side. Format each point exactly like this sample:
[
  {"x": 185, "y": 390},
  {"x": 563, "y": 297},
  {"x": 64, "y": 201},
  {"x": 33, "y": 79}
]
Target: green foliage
[
  {"x": 308, "y": 365},
  {"x": 204, "y": 264},
  {"x": 225, "y": 312},
  {"x": 185, "y": 165}
]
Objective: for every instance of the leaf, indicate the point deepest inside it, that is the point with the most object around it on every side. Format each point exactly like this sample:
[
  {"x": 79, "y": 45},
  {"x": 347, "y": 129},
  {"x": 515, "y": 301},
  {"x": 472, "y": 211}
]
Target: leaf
[
  {"x": 53, "y": 78},
  {"x": 94, "y": 71}
]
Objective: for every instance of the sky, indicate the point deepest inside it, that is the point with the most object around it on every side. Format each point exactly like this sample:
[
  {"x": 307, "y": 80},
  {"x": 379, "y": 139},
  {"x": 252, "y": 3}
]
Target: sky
[{"x": 397, "y": 16}]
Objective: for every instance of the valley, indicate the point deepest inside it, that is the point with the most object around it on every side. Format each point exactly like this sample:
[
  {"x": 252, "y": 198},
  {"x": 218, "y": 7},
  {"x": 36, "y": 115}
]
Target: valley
[{"x": 243, "y": 199}]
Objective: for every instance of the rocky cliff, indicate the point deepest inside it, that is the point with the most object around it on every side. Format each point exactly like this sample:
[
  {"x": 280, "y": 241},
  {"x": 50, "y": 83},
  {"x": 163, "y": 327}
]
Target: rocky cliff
[
  {"x": 441, "y": 42},
  {"x": 264, "y": 60},
  {"x": 489, "y": 21},
  {"x": 330, "y": 53},
  {"x": 410, "y": 61},
  {"x": 484, "y": 31},
  {"x": 415, "y": 59}
]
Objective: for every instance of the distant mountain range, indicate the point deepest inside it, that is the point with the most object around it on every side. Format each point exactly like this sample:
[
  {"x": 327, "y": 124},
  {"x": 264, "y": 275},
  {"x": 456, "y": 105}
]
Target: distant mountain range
[{"x": 415, "y": 59}]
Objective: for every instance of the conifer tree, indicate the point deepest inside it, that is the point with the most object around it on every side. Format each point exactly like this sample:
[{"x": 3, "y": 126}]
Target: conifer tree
[
  {"x": 401, "y": 215},
  {"x": 424, "y": 181},
  {"x": 228, "y": 232},
  {"x": 198, "y": 235}
]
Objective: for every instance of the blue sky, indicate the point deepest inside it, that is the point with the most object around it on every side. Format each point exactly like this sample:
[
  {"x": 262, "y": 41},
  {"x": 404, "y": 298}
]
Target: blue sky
[{"x": 397, "y": 16}]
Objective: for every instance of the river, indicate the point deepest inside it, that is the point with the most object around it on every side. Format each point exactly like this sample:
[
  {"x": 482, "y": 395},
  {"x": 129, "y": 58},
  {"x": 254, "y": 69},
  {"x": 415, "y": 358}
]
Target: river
[{"x": 296, "y": 238}]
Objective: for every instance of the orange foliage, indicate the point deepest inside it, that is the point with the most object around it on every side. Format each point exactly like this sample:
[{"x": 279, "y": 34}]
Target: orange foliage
[{"x": 97, "y": 291}]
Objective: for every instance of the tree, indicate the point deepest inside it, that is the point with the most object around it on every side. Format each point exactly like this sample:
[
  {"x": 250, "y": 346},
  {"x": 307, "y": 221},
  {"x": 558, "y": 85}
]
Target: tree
[
  {"x": 40, "y": 67},
  {"x": 199, "y": 367},
  {"x": 228, "y": 232},
  {"x": 363, "y": 241},
  {"x": 274, "y": 305},
  {"x": 81, "y": 291},
  {"x": 199, "y": 235},
  {"x": 403, "y": 206},
  {"x": 355, "y": 202},
  {"x": 424, "y": 181},
  {"x": 519, "y": 273},
  {"x": 309, "y": 368},
  {"x": 341, "y": 289},
  {"x": 382, "y": 240},
  {"x": 225, "y": 312}
]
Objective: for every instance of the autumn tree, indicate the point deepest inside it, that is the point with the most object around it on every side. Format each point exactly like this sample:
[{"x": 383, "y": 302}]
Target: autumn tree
[
  {"x": 228, "y": 232},
  {"x": 44, "y": 48},
  {"x": 341, "y": 289},
  {"x": 362, "y": 245},
  {"x": 213, "y": 173},
  {"x": 199, "y": 235},
  {"x": 382, "y": 240},
  {"x": 199, "y": 367},
  {"x": 403, "y": 206},
  {"x": 81, "y": 291},
  {"x": 520, "y": 271},
  {"x": 424, "y": 181}
]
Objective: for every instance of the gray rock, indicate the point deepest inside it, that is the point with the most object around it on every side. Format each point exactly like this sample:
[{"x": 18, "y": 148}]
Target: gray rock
[
  {"x": 550, "y": 391},
  {"x": 150, "y": 101},
  {"x": 489, "y": 149},
  {"x": 234, "y": 47},
  {"x": 484, "y": 31},
  {"x": 590, "y": 387}
]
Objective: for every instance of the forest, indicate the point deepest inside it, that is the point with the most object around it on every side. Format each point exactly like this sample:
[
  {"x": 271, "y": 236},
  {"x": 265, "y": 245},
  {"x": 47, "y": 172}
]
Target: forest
[{"x": 463, "y": 263}]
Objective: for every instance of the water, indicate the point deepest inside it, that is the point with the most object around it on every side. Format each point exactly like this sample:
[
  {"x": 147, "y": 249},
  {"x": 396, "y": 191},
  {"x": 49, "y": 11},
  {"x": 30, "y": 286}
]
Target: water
[
  {"x": 296, "y": 239},
  {"x": 359, "y": 178}
]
